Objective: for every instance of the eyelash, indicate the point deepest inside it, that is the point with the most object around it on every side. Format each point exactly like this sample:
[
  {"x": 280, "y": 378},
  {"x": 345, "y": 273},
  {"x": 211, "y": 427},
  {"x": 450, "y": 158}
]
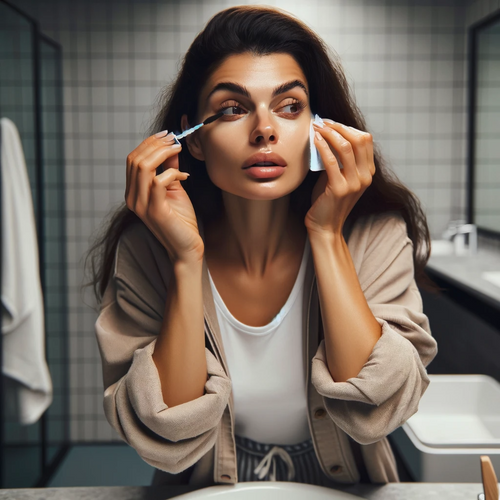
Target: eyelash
[{"x": 296, "y": 102}]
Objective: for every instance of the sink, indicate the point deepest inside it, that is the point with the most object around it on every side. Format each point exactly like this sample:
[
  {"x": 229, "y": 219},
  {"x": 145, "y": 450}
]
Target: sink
[
  {"x": 268, "y": 490},
  {"x": 442, "y": 247},
  {"x": 458, "y": 420},
  {"x": 492, "y": 277}
]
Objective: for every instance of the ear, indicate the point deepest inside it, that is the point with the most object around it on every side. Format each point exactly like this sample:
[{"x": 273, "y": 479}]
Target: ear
[{"x": 192, "y": 141}]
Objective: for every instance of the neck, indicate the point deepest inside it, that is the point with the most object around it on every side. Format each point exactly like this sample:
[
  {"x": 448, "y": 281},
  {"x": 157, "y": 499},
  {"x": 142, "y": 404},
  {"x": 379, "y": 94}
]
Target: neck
[{"x": 254, "y": 234}]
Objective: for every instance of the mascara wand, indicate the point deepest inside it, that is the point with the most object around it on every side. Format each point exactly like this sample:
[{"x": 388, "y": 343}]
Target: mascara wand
[{"x": 210, "y": 119}]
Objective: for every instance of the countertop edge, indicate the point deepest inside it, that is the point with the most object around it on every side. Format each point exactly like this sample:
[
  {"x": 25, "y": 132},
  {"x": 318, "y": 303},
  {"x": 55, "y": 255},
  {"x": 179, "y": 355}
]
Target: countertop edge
[{"x": 390, "y": 491}]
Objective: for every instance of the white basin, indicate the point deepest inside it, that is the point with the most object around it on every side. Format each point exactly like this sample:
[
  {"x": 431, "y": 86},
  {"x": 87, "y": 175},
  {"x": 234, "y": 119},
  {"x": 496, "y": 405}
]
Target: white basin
[
  {"x": 492, "y": 277},
  {"x": 458, "y": 420},
  {"x": 268, "y": 490},
  {"x": 460, "y": 411},
  {"x": 442, "y": 247}
]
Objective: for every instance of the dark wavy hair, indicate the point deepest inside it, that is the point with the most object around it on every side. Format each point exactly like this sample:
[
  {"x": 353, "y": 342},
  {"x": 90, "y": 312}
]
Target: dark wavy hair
[{"x": 261, "y": 30}]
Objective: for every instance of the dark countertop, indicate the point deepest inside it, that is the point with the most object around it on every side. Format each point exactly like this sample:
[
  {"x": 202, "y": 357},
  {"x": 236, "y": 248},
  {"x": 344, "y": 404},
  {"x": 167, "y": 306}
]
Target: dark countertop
[
  {"x": 391, "y": 491},
  {"x": 465, "y": 271}
]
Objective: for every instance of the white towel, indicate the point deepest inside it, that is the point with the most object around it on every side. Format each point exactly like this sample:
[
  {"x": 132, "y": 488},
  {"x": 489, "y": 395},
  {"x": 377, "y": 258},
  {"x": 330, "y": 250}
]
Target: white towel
[{"x": 23, "y": 330}]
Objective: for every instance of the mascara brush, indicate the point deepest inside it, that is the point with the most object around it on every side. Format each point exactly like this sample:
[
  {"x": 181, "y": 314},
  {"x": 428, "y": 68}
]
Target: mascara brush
[{"x": 210, "y": 119}]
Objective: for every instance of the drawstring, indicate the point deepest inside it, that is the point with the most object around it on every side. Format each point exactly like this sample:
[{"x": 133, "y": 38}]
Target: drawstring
[{"x": 263, "y": 468}]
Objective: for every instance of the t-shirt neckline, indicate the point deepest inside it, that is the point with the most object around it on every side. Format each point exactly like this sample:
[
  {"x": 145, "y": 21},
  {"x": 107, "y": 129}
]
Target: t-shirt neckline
[{"x": 261, "y": 330}]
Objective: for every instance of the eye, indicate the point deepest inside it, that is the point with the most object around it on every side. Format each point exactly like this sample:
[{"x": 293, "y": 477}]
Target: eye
[
  {"x": 298, "y": 105},
  {"x": 233, "y": 105}
]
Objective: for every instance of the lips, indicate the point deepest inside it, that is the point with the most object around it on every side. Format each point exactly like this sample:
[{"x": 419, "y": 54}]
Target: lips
[{"x": 266, "y": 158}]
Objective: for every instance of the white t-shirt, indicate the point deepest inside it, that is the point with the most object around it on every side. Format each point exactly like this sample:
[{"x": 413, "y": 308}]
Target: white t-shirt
[{"x": 266, "y": 369}]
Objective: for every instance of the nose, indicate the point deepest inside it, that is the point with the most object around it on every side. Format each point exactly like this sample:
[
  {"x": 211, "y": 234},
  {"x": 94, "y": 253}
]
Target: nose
[{"x": 264, "y": 131}]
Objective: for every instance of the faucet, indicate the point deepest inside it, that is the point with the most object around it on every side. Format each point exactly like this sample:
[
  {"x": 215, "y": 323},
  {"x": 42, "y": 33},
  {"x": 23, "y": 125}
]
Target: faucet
[{"x": 456, "y": 231}]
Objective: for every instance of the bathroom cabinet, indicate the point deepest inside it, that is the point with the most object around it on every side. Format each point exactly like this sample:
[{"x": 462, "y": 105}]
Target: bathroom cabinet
[{"x": 466, "y": 326}]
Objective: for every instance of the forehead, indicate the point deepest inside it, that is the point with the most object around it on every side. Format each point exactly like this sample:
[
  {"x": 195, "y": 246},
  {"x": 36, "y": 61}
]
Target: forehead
[{"x": 257, "y": 73}]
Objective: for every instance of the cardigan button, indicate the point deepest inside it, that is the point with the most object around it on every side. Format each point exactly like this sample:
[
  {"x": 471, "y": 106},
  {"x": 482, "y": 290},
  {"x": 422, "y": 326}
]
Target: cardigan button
[
  {"x": 320, "y": 413},
  {"x": 336, "y": 469},
  {"x": 225, "y": 476}
]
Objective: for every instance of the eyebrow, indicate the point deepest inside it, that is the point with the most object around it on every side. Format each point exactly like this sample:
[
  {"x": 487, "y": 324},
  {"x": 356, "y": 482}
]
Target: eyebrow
[{"x": 240, "y": 89}]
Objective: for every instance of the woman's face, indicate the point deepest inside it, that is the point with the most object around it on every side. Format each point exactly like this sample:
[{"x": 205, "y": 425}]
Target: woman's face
[{"x": 254, "y": 123}]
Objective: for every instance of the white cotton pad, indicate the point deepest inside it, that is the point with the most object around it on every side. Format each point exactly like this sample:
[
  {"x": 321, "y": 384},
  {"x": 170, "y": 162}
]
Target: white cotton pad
[{"x": 316, "y": 163}]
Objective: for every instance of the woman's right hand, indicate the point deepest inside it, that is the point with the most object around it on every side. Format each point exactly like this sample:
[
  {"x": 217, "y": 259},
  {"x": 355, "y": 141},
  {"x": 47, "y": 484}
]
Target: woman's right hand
[{"x": 160, "y": 201}]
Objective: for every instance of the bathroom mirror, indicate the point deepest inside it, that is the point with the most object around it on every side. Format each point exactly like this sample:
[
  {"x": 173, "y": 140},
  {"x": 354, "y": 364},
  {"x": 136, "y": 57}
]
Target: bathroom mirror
[{"x": 484, "y": 126}]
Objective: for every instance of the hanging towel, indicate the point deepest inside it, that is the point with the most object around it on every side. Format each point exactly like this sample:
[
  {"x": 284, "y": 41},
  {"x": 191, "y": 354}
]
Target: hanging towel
[{"x": 23, "y": 330}]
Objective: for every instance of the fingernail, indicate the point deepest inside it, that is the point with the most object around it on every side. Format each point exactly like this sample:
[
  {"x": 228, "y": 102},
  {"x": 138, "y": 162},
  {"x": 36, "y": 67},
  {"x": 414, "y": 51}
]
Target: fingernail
[
  {"x": 161, "y": 134},
  {"x": 328, "y": 120},
  {"x": 174, "y": 138},
  {"x": 318, "y": 136},
  {"x": 318, "y": 121}
]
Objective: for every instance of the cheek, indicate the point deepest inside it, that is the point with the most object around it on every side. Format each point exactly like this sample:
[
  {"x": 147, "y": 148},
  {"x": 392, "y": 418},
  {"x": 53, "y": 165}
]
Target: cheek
[
  {"x": 297, "y": 137},
  {"x": 299, "y": 145},
  {"x": 221, "y": 155}
]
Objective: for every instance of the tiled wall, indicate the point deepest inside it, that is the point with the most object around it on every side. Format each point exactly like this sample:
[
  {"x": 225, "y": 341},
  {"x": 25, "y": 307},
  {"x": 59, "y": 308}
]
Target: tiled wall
[{"x": 405, "y": 61}]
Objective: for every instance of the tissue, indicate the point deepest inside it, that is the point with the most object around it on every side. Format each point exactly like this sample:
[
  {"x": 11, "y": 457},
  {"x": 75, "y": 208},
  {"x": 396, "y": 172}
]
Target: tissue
[{"x": 316, "y": 162}]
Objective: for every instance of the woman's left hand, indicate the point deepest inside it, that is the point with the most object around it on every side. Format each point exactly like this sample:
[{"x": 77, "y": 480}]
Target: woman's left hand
[{"x": 337, "y": 191}]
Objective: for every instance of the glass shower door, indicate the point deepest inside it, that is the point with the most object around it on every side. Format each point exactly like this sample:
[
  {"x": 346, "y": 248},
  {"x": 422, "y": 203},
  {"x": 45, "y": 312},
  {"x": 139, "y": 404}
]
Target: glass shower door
[{"x": 22, "y": 444}]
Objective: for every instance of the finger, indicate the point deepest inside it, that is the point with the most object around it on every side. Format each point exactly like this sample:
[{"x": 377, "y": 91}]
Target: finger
[
  {"x": 152, "y": 146},
  {"x": 363, "y": 149},
  {"x": 146, "y": 172},
  {"x": 134, "y": 160},
  {"x": 151, "y": 143},
  {"x": 171, "y": 162},
  {"x": 143, "y": 150},
  {"x": 369, "y": 152},
  {"x": 155, "y": 139},
  {"x": 354, "y": 136},
  {"x": 329, "y": 160},
  {"x": 365, "y": 140},
  {"x": 344, "y": 149},
  {"x": 168, "y": 180},
  {"x": 135, "y": 153}
]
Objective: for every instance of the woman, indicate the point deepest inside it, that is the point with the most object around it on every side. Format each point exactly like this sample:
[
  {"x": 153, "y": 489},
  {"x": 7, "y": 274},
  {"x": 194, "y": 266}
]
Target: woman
[{"x": 262, "y": 326}]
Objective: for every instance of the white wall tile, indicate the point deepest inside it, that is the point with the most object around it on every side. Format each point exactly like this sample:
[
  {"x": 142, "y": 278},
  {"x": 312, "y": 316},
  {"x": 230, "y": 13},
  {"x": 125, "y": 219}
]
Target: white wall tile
[
  {"x": 142, "y": 43},
  {"x": 166, "y": 15},
  {"x": 120, "y": 42},
  {"x": 99, "y": 97},
  {"x": 398, "y": 46},
  {"x": 328, "y": 16},
  {"x": 165, "y": 41},
  {"x": 141, "y": 15}
]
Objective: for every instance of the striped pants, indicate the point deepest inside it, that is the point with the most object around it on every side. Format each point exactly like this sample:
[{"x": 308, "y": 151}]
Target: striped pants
[{"x": 266, "y": 462}]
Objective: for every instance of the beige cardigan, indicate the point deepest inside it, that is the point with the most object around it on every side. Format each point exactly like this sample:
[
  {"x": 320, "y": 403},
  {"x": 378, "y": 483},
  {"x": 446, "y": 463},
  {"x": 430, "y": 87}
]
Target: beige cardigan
[{"x": 199, "y": 435}]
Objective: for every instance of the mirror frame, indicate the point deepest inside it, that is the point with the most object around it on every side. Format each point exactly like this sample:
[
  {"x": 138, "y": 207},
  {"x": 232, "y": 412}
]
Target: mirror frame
[{"x": 473, "y": 34}]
